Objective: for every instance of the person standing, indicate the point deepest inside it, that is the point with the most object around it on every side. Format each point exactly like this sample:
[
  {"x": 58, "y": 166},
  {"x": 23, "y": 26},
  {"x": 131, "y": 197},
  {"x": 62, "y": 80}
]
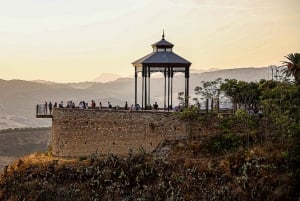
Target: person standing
[
  {"x": 45, "y": 107},
  {"x": 93, "y": 104},
  {"x": 61, "y": 105},
  {"x": 155, "y": 106},
  {"x": 126, "y": 105},
  {"x": 50, "y": 107}
]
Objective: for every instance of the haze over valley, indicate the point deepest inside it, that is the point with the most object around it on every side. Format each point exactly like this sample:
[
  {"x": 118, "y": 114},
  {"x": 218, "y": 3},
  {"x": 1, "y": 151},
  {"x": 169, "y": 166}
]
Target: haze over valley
[{"x": 19, "y": 98}]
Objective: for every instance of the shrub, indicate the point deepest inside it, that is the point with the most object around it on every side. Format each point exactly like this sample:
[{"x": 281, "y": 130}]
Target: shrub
[{"x": 224, "y": 143}]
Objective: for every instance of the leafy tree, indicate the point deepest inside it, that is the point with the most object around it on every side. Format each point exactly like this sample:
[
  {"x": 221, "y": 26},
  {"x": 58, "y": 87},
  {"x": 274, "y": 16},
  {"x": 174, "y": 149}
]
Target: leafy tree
[
  {"x": 281, "y": 95},
  {"x": 293, "y": 66},
  {"x": 230, "y": 88},
  {"x": 250, "y": 94},
  {"x": 242, "y": 93},
  {"x": 209, "y": 90},
  {"x": 281, "y": 103}
]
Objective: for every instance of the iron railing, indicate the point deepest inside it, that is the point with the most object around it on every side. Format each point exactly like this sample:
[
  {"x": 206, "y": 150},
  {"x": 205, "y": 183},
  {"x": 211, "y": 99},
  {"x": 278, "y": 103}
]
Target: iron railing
[{"x": 41, "y": 109}]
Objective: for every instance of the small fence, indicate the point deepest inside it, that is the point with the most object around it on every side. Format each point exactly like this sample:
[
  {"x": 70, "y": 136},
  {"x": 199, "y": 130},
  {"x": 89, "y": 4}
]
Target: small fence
[{"x": 42, "y": 111}]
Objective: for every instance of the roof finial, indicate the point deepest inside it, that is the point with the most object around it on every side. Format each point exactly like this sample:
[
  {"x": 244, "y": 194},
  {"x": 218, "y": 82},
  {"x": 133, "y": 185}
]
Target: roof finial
[{"x": 163, "y": 36}]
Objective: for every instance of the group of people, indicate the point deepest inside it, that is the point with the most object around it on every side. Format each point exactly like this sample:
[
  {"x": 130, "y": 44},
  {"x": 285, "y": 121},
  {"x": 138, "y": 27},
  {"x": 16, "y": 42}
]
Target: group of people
[
  {"x": 70, "y": 104},
  {"x": 84, "y": 105},
  {"x": 49, "y": 106}
]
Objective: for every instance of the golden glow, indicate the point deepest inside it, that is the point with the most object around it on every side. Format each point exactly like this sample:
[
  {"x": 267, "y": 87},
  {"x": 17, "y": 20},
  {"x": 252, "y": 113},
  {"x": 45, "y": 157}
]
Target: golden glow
[{"x": 72, "y": 41}]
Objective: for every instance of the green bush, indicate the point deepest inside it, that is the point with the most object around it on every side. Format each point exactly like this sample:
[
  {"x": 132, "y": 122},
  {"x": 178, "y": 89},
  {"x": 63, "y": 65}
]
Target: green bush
[{"x": 225, "y": 143}]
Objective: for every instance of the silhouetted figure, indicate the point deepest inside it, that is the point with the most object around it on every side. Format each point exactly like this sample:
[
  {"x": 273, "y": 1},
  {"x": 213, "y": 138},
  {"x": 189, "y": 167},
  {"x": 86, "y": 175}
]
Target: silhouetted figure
[
  {"x": 50, "y": 107},
  {"x": 126, "y": 105},
  {"x": 109, "y": 105},
  {"x": 100, "y": 105},
  {"x": 155, "y": 106},
  {"x": 45, "y": 107},
  {"x": 55, "y": 105},
  {"x": 93, "y": 104},
  {"x": 69, "y": 104},
  {"x": 81, "y": 105},
  {"x": 137, "y": 107},
  {"x": 61, "y": 105}
]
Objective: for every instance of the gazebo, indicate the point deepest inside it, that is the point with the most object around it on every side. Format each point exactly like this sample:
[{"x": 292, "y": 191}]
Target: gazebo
[{"x": 163, "y": 60}]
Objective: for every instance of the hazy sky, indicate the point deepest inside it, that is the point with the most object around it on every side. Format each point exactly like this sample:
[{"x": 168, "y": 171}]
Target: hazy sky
[{"x": 77, "y": 40}]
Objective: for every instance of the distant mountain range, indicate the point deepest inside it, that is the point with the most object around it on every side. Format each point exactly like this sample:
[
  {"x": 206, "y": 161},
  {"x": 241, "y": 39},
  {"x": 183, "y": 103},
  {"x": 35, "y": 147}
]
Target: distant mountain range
[
  {"x": 18, "y": 98},
  {"x": 107, "y": 77}
]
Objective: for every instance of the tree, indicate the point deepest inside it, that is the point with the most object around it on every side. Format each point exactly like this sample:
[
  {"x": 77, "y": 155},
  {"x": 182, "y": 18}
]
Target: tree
[
  {"x": 281, "y": 104},
  {"x": 293, "y": 66},
  {"x": 209, "y": 90},
  {"x": 231, "y": 89},
  {"x": 242, "y": 93},
  {"x": 250, "y": 94}
]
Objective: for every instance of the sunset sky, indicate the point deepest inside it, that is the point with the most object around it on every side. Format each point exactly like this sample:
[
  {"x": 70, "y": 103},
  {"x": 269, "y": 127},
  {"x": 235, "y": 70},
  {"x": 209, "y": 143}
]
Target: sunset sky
[{"x": 76, "y": 40}]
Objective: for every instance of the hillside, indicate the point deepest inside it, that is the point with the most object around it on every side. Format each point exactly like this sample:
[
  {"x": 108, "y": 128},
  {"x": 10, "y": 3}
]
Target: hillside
[
  {"x": 18, "y": 98},
  {"x": 207, "y": 166},
  {"x": 17, "y": 143}
]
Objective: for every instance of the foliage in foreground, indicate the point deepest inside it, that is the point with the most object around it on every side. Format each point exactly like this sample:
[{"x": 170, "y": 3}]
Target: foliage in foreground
[{"x": 189, "y": 172}]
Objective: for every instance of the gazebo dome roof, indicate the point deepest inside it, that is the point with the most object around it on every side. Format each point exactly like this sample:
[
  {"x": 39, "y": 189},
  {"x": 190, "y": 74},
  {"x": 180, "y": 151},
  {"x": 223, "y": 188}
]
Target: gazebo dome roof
[
  {"x": 163, "y": 43},
  {"x": 162, "y": 57}
]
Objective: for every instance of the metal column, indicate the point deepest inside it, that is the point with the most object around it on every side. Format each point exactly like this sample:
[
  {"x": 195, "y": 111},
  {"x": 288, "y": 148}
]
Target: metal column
[
  {"x": 145, "y": 87},
  {"x": 165, "y": 89},
  {"x": 168, "y": 88},
  {"x": 135, "y": 86},
  {"x": 187, "y": 75},
  {"x": 171, "y": 88},
  {"x": 149, "y": 73}
]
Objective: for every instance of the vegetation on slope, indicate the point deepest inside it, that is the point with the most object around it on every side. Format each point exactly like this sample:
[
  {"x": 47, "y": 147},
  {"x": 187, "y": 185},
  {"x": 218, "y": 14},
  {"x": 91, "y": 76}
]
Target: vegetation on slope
[{"x": 253, "y": 174}]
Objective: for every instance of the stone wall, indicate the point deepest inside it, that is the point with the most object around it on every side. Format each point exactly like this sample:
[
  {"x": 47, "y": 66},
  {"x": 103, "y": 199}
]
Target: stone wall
[{"x": 78, "y": 132}]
